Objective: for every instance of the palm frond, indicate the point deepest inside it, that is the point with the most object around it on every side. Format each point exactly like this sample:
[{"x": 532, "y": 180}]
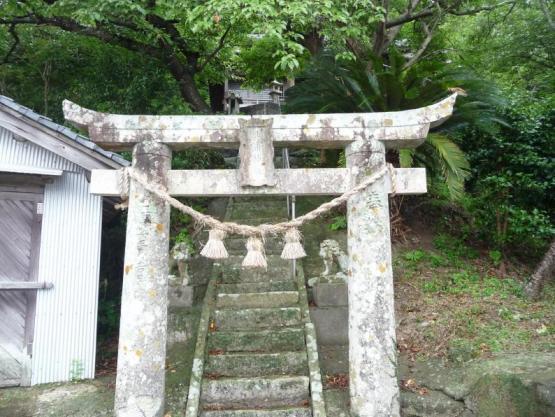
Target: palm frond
[{"x": 406, "y": 158}]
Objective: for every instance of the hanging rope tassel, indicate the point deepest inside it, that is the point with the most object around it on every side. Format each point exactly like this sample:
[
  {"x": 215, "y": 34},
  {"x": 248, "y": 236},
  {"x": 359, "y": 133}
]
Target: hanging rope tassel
[
  {"x": 255, "y": 257},
  {"x": 293, "y": 248},
  {"x": 215, "y": 248},
  {"x": 124, "y": 189}
]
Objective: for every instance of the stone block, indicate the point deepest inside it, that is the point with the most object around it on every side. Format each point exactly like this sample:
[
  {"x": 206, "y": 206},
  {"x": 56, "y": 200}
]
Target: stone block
[
  {"x": 200, "y": 270},
  {"x": 180, "y": 296},
  {"x": 330, "y": 294},
  {"x": 182, "y": 323},
  {"x": 249, "y": 392},
  {"x": 334, "y": 359},
  {"x": 291, "y": 339},
  {"x": 331, "y": 325},
  {"x": 257, "y": 364},
  {"x": 258, "y": 299},
  {"x": 257, "y": 318}
]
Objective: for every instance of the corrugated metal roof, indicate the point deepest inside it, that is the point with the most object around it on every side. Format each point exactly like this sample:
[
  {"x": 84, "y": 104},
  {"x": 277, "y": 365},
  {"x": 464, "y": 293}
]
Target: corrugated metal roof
[{"x": 68, "y": 133}]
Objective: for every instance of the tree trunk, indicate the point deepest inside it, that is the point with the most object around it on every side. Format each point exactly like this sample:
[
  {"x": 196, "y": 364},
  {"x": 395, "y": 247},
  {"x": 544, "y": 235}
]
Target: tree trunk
[
  {"x": 544, "y": 273},
  {"x": 190, "y": 93},
  {"x": 187, "y": 86},
  {"x": 314, "y": 42}
]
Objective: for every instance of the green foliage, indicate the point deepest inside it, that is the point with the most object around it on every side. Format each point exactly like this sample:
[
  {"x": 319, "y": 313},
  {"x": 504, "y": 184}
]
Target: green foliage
[
  {"x": 496, "y": 257},
  {"x": 337, "y": 86},
  {"x": 513, "y": 185},
  {"x": 516, "y": 48},
  {"x": 180, "y": 224},
  {"x": 197, "y": 159},
  {"x": 76, "y": 370},
  {"x": 283, "y": 23},
  {"x": 414, "y": 256},
  {"x": 52, "y": 65},
  {"x": 338, "y": 223},
  {"x": 108, "y": 317}
]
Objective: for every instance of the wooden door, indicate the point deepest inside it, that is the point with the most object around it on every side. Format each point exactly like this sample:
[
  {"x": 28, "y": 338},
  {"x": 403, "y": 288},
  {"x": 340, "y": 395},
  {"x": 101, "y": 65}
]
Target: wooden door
[{"x": 20, "y": 221}]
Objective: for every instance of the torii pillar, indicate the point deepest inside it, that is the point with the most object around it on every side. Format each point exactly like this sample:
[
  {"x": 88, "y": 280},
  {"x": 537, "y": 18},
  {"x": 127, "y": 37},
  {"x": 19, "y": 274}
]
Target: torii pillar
[
  {"x": 373, "y": 383},
  {"x": 140, "y": 383},
  {"x": 372, "y": 344}
]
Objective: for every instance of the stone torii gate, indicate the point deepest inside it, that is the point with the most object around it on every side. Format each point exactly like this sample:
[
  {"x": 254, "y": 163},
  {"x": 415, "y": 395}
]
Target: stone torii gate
[{"x": 365, "y": 136}]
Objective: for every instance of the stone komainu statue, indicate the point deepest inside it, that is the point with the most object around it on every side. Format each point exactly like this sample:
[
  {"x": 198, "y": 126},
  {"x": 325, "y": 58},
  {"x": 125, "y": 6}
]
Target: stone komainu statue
[{"x": 334, "y": 258}]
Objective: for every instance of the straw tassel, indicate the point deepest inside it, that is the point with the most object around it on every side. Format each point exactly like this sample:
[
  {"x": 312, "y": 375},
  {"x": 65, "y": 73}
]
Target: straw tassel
[
  {"x": 293, "y": 248},
  {"x": 214, "y": 248},
  {"x": 255, "y": 257}
]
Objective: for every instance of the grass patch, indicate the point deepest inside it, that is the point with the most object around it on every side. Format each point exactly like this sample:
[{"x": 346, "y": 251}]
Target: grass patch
[{"x": 453, "y": 303}]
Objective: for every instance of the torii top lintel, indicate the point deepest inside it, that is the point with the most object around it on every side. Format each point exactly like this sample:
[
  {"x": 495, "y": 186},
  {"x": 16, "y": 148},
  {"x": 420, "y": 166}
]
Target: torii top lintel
[{"x": 400, "y": 129}]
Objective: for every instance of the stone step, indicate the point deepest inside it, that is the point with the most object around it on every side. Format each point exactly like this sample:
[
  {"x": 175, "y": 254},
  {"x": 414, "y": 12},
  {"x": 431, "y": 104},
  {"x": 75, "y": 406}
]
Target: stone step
[
  {"x": 256, "y": 221},
  {"x": 291, "y": 339},
  {"x": 281, "y": 412},
  {"x": 257, "y": 364},
  {"x": 257, "y": 318},
  {"x": 258, "y": 299},
  {"x": 232, "y": 272},
  {"x": 257, "y": 287},
  {"x": 259, "y": 208},
  {"x": 255, "y": 392},
  {"x": 236, "y": 245}
]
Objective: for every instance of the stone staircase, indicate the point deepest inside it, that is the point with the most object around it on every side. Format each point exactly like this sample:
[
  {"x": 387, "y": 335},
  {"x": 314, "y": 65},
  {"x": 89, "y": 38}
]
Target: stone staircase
[{"x": 256, "y": 353}]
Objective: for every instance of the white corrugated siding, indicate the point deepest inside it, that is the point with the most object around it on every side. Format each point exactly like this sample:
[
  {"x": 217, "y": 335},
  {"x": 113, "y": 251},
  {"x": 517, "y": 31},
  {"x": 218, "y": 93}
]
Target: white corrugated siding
[
  {"x": 65, "y": 324},
  {"x": 65, "y": 321},
  {"x": 28, "y": 154}
]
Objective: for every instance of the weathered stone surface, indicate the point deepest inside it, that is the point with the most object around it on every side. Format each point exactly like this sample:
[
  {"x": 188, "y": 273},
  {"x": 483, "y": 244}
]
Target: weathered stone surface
[
  {"x": 397, "y": 129},
  {"x": 220, "y": 182},
  {"x": 372, "y": 344},
  {"x": 330, "y": 294},
  {"x": 337, "y": 402},
  {"x": 200, "y": 270},
  {"x": 289, "y": 412},
  {"x": 180, "y": 295},
  {"x": 433, "y": 404},
  {"x": 236, "y": 245},
  {"x": 256, "y": 392},
  {"x": 331, "y": 325},
  {"x": 258, "y": 299},
  {"x": 505, "y": 395},
  {"x": 257, "y": 318},
  {"x": 142, "y": 340},
  {"x": 334, "y": 359},
  {"x": 257, "y": 287},
  {"x": 515, "y": 385},
  {"x": 232, "y": 272},
  {"x": 257, "y": 364},
  {"x": 257, "y": 341},
  {"x": 256, "y": 153},
  {"x": 182, "y": 324}
]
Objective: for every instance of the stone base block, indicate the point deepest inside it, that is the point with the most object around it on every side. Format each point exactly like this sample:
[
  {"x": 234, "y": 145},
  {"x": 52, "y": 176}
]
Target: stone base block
[
  {"x": 330, "y": 294},
  {"x": 331, "y": 325}
]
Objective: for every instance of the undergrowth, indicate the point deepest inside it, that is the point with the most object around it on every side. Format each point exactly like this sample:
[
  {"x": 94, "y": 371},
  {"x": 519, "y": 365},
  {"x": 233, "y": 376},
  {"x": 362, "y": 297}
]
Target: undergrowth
[{"x": 454, "y": 302}]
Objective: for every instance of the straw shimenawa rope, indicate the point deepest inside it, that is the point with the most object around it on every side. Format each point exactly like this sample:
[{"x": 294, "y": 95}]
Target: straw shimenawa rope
[
  {"x": 255, "y": 257},
  {"x": 261, "y": 230}
]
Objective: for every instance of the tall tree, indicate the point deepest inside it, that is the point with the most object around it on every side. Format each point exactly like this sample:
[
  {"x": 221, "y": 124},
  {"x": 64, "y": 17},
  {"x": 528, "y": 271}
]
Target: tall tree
[{"x": 197, "y": 42}]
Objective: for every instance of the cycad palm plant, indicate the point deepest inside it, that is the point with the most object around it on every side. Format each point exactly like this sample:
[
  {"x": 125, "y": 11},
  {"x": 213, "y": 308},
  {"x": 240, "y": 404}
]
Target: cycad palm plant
[{"x": 335, "y": 86}]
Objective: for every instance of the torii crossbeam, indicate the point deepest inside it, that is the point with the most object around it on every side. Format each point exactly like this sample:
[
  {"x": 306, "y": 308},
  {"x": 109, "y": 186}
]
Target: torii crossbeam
[{"x": 365, "y": 136}]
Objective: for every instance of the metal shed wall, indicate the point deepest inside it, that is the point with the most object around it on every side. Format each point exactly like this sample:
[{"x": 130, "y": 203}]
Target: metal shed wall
[{"x": 66, "y": 316}]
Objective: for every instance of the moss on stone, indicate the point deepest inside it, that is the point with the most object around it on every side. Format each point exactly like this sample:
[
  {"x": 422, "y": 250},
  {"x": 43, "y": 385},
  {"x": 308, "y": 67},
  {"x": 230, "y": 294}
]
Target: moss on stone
[{"x": 504, "y": 396}]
